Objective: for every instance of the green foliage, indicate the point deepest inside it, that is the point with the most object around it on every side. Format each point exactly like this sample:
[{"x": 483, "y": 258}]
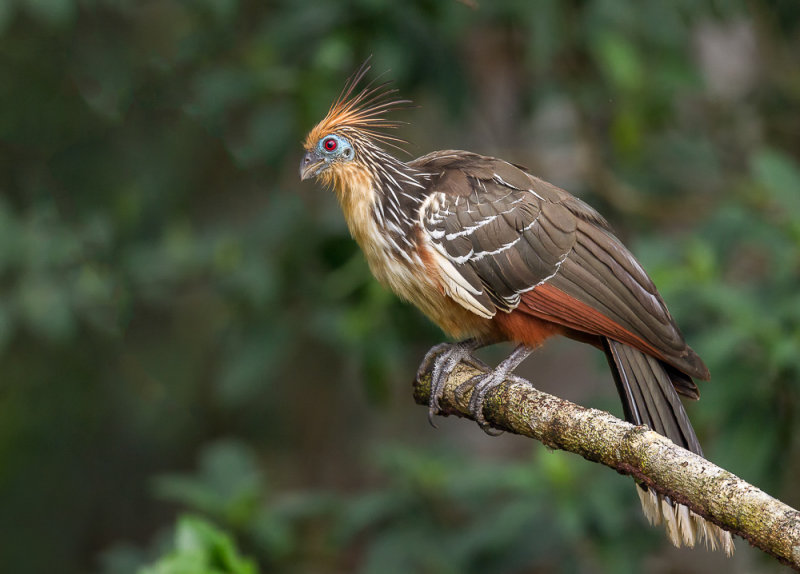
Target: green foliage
[
  {"x": 201, "y": 548},
  {"x": 433, "y": 511},
  {"x": 227, "y": 485},
  {"x": 172, "y": 296}
]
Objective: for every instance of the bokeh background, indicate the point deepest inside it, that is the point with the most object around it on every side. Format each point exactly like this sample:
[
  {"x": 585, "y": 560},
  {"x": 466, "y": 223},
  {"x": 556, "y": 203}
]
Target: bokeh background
[{"x": 198, "y": 372}]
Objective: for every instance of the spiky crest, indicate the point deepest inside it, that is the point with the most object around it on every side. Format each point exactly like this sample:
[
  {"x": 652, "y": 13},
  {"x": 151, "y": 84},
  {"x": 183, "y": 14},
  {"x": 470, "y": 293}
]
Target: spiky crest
[{"x": 364, "y": 112}]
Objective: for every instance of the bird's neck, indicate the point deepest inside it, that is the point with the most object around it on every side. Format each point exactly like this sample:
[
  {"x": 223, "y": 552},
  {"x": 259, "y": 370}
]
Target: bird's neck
[
  {"x": 380, "y": 194},
  {"x": 380, "y": 197},
  {"x": 398, "y": 194}
]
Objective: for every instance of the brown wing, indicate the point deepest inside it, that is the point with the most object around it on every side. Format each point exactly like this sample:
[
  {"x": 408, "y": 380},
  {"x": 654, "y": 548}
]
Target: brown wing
[{"x": 523, "y": 244}]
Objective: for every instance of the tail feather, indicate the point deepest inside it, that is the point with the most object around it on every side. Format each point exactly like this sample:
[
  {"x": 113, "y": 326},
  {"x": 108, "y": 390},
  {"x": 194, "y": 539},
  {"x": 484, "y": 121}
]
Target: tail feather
[{"x": 647, "y": 387}]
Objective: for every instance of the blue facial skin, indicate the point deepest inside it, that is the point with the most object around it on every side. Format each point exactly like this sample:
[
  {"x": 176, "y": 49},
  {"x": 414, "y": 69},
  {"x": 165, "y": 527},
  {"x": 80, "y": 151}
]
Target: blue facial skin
[
  {"x": 330, "y": 149},
  {"x": 335, "y": 147}
]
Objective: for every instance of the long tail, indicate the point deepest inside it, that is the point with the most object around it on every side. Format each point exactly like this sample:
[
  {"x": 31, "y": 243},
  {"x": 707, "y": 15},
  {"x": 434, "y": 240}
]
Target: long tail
[{"x": 647, "y": 387}]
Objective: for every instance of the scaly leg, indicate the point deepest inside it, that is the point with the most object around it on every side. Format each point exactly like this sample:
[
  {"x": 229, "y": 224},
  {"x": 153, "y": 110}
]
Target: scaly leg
[
  {"x": 445, "y": 357},
  {"x": 482, "y": 384}
]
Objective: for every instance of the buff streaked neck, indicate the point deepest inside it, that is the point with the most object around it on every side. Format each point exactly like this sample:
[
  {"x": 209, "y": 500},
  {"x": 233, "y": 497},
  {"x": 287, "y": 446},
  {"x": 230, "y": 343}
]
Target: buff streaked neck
[
  {"x": 355, "y": 188},
  {"x": 377, "y": 192}
]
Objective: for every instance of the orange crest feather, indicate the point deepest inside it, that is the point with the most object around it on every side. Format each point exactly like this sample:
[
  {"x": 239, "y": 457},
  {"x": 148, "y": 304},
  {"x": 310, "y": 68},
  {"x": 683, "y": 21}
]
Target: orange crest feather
[{"x": 364, "y": 111}]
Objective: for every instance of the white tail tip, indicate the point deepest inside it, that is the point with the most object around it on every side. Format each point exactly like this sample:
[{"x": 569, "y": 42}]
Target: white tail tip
[{"x": 684, "y": 527}]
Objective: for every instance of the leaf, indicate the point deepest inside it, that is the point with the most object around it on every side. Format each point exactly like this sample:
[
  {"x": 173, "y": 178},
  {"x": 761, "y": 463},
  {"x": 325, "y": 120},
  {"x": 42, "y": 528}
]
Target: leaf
[{"x": 201, "y": 548}]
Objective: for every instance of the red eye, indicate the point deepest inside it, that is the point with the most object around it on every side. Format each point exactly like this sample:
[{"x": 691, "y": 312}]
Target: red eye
[{"x": 330, "y": 144}]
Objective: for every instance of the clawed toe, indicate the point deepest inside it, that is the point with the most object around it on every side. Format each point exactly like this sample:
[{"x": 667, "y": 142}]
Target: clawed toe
[
  {"x": 429, "y": 356},
  {"x": 481, "y": 385},
  {"x": 445, "y": 357}
]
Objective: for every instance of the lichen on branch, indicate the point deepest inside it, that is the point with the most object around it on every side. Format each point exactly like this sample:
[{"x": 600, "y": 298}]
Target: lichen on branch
[{"x": 712, "y": 492}]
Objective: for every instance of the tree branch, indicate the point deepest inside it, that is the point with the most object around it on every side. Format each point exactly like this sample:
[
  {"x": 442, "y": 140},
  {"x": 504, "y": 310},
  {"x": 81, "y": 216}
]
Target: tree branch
[{"x": 712, "y": 492}]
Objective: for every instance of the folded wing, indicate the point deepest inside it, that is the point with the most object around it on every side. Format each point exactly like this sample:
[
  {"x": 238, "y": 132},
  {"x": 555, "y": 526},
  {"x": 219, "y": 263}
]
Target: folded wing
[{"x": 520, "y": 244}]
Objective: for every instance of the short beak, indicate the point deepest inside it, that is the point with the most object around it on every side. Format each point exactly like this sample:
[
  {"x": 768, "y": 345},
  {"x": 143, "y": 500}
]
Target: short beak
[{"x": 310, "y": 165}]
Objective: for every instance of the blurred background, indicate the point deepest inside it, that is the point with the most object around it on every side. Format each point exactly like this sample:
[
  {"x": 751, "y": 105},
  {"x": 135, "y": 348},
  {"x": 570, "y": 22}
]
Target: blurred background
[{"x": 197, "y": 372}]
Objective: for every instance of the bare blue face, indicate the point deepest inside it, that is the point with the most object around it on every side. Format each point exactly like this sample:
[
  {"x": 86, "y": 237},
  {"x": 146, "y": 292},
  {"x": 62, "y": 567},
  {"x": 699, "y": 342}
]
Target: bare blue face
[
  {"x": 335, "y": 147},
  {"x": 330, "y": 149}
]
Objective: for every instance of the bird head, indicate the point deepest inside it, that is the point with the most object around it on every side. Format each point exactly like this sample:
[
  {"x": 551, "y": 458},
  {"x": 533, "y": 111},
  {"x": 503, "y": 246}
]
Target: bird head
[
  {"x": 330, "y": 151},
  {"x": 338, "y": 148}
]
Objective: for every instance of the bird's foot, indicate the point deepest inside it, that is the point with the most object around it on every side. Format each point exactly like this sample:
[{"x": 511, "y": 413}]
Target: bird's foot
[
  {"x": 445, "y": 357},
  {"x": 482, "y": 384}
]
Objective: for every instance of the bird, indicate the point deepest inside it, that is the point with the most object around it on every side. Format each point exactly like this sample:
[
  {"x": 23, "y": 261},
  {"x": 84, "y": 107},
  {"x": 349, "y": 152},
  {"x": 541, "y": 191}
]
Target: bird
[{"x": 492, "y": 253}]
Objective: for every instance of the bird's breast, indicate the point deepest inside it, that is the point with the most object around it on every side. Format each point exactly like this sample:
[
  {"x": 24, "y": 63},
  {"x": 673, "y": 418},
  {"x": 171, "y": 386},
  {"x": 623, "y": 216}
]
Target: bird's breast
[{"x": 398, "y": 259}]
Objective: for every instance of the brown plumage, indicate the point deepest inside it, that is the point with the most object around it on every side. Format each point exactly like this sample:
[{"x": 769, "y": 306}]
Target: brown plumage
[{"x": 492, "y": 253}]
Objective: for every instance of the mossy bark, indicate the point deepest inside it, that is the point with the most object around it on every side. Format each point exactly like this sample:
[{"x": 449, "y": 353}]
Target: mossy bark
[{"x": 712, "y": 492}]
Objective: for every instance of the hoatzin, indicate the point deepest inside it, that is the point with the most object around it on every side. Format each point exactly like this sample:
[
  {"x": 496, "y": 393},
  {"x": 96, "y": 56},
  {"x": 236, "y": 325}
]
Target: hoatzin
[{"x": 492, "y": 253}]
